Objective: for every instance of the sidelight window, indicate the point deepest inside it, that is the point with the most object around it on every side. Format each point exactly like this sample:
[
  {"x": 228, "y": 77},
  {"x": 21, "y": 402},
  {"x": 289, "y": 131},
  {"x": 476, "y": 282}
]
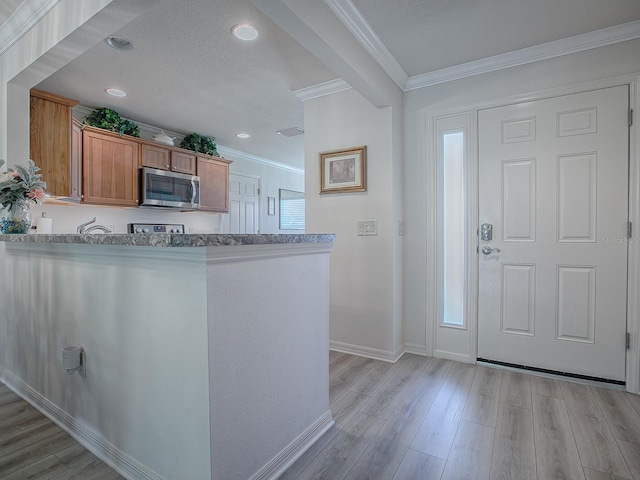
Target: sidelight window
[{"x": 454, "y": 227}]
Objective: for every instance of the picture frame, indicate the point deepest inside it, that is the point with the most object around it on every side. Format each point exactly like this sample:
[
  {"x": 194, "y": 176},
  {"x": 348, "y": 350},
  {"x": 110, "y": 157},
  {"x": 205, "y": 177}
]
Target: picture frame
[
  {"x": 271, "y": 205},
  {"x": 344, "y": 171}
]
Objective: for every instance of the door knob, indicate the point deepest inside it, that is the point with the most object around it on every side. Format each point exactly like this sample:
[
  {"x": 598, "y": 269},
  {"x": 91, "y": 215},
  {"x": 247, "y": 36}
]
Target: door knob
[{"x": 487, "y": 250}]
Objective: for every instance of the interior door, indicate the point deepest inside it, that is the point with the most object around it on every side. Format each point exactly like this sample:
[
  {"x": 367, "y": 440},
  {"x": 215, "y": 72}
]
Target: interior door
[
  {"x": 553, "y": 184},
  {"x": 243, "y": 204}
]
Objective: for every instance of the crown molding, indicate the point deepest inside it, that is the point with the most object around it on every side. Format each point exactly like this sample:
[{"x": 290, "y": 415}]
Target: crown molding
[
  {"x": 322, "y": 89},
  {"x": 22, "y": 20},
  {"x": 557, "y": 48},
  {"x": 148, "y": 131},
  {"x": 233, "y": 153},
  {"x": 347, "y": 12}
]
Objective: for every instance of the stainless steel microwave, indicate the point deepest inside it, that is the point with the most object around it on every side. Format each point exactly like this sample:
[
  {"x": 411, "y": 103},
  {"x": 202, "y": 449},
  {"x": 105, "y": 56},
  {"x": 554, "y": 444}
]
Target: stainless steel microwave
[{"x": 162, "y": 188}]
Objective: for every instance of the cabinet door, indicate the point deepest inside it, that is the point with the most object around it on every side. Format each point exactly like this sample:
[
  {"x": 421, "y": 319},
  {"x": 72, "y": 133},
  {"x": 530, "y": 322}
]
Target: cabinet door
[
  {"x": 155, "y": 157},
  {"x": 183, "y": 163},
  {"x": 50, "y": 140},
  {"x": 110, "y": 169},
  {"x": 76, "y": 160},
  {"x": 214, "y": 184}
]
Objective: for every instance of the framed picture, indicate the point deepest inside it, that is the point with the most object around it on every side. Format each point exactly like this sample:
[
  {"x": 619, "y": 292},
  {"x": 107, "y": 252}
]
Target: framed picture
[
  {"x": 271, "y": 205},
  {"x": 344, "y": 170}
]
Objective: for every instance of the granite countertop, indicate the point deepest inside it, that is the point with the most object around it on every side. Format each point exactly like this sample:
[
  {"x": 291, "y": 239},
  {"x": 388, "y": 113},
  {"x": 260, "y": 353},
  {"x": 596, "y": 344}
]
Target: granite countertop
[{"x": 171, "y": 240}]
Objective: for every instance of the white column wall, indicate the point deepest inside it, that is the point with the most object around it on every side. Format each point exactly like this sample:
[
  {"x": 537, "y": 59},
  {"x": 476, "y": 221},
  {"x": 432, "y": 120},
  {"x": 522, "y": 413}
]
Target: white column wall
[
  {"x": 269, "y": 360},
  {"x": 364, "y": 295}
]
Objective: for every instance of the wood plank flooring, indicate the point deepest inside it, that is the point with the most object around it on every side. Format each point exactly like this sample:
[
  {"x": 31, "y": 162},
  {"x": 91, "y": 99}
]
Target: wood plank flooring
[
  {"x": 426, "y": 418},
  {"x": 32, "y": 447},
  {"x": 420, "y": 418}
]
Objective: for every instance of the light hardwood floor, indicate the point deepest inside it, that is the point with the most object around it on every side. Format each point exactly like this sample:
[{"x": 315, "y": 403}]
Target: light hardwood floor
[
  {"x": 421, "y": 418},
  {"x": 33, "y": 447},
  {"x": 425, "y": 418}
]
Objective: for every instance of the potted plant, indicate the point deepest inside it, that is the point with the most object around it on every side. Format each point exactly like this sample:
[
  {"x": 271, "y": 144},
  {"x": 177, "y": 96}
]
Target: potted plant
[
  {"x": 19, "y": 188},
  {"x": 108, "y": 119},
  {"x": 200, "y": 144}
]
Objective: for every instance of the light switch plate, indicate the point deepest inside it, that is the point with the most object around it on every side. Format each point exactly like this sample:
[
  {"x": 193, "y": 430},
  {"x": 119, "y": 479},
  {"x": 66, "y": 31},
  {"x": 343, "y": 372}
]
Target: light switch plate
[
  {"x": 367, "y": 227},
  {"x": 401, "y": 227}
]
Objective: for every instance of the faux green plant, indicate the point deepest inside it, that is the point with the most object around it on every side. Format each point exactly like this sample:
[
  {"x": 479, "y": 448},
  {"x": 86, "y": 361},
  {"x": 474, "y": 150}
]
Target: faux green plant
[
  {"x": 21, "y": 184},
  {"x": 200, "y": 144},
  {"x": 108, "y": 119}
]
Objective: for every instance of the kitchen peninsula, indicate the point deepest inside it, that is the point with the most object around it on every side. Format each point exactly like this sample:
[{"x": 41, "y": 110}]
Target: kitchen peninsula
[{"x": 206, "y": 356}]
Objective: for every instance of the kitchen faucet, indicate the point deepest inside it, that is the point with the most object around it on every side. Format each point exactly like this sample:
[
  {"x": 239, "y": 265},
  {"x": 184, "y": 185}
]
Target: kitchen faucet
[{"x": 81, "y": 230}]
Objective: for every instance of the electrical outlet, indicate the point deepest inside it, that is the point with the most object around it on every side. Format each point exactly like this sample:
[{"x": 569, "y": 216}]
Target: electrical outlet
[{"x": 367, "y": 228}]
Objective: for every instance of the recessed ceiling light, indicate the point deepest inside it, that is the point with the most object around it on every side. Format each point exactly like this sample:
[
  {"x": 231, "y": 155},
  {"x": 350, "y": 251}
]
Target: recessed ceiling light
[
  {"x": 242, "y": 135},
  {"x": 116, "y": 92},
  {"x": 244, "y": 31},
  {"x": 119, "y": 43}
]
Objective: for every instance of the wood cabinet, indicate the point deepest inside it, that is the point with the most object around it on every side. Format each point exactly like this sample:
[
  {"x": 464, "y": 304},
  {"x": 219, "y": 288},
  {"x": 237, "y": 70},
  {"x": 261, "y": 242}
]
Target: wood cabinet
[
  {"x": 153, "y": 156},
  {"x": 183, "y": 162},
  {"x": 214, "y": 183},
  {"x": 53, "y": 146},
  {"x": 95, "y": 166},
  {"x": 166, "y": 158},
  {"x": 110, "y": 168},
  {"x": 76, "y": 160}
]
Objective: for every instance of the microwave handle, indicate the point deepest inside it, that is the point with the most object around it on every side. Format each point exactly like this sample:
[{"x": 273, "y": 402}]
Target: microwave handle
[{"x": 193, "y": 191}]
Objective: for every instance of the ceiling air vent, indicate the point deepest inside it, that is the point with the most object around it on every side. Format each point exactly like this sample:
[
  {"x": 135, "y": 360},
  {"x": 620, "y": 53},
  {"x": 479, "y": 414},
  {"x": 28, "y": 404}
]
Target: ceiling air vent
[{"x": 290, "y": 132}]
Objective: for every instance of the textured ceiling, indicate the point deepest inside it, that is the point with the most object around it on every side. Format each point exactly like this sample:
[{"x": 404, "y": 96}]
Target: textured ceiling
[
  {"x": 427, "y": 35},
  {"x": 188, "y": 74}
]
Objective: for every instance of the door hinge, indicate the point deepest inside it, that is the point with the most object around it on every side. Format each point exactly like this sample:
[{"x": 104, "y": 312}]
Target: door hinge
[
  {"x": 630, "y": 116},
  {"x": 628, "y": 341},
  {"x": 629, "y": 230}
]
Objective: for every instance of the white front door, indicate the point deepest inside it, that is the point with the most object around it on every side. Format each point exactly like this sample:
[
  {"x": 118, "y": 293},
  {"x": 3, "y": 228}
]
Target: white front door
[
  {"x": 243, "y": 204},
  {"x": 553, "y": 183}
]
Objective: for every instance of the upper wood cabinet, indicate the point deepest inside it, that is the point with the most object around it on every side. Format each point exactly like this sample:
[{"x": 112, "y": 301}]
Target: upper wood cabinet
[
  {"x": 155, "y": 157},
  {"x": 110, "y": 168},
  {"x": 183, "y": 162},
  {"x": 165, "y": 158},
  {"x": 214, "y": 183},
  {"x": 50, "y": 142}
]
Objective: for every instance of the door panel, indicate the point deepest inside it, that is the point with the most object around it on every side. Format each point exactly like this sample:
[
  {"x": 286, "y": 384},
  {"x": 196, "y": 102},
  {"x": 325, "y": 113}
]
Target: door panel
[
  {"x": 243, "y": 204},
  {"x": 553, "y": 181}
]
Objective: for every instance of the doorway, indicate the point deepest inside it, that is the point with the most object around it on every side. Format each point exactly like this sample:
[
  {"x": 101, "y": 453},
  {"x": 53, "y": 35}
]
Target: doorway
[
  {"x": 244, "y": 204},
  {"x": 553, "y": 207}
]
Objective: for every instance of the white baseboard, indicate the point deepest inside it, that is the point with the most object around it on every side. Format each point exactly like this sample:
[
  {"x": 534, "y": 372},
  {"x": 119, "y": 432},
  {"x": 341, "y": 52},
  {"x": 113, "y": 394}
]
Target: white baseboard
[
  {"x": 92, "y": 441},
  {"x": 384, "y": 355},
  {"x": 456, "y": 357},
  {"x": 415, "y": 349},
  {"x": 287, "y": 457}
]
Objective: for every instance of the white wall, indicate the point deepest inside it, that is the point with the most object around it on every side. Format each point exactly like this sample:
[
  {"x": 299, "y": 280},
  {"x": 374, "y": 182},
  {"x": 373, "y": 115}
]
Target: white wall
[
  {"x": 141, "y": 316},
  {"x": 272, "y": 178},
  {"x": 365, "y": 310},
  {"x": 463, "y": 95},
  {"x": 269, "y": 365}
]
